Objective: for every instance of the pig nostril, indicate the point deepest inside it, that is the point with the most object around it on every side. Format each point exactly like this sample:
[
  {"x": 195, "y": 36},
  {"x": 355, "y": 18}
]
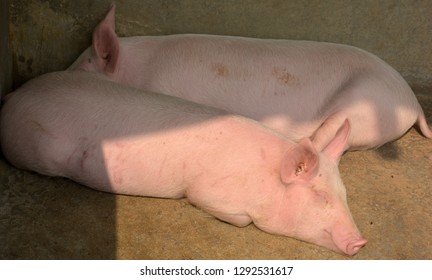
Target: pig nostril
[{"x": 355, "y": 246}]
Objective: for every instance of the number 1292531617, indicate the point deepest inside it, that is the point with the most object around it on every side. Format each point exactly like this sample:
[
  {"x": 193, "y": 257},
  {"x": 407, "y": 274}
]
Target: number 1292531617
[{"x": 263, "y": 270}]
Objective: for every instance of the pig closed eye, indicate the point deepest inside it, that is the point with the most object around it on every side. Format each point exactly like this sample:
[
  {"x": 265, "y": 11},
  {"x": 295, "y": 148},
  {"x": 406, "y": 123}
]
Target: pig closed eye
[{"x": 322, "y": 196}]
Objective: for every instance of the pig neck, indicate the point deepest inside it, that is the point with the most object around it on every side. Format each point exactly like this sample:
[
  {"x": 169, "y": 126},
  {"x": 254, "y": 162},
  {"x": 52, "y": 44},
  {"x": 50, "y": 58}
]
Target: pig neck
[
  {"x": 234, "y": 139},
  {"x": 134, "y": 57},
  {"x": 239, "y": 168}
]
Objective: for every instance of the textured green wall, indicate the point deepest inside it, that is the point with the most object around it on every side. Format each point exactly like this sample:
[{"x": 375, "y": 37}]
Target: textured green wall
[{"x": 49, "y": 35}]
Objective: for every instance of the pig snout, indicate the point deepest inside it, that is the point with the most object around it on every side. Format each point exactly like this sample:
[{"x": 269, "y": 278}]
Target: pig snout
[
  {"x": 347, "y": 243},
  {"x": 355, "y": 245}
]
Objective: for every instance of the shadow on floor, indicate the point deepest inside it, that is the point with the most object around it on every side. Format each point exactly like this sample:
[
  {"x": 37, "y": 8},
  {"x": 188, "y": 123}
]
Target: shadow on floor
[{"x": 53, "y": 218}]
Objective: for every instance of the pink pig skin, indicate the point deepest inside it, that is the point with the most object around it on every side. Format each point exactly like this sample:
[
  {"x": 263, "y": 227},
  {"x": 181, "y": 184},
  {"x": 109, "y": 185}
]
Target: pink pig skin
[
  {"x": 118, "y": 139},
  {"x": 298, "y": 88}
]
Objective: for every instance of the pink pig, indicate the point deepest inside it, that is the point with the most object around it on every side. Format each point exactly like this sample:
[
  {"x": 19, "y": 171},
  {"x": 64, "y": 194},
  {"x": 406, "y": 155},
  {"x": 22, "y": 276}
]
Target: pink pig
[
  {"x": 298, "y": 88},
  {"x": 118, "y": 139}
]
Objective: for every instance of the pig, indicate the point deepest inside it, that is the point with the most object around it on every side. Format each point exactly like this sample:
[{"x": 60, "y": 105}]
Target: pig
[
  {"x": 298, "y": 88},
  {"x": 119, "y": 139}
]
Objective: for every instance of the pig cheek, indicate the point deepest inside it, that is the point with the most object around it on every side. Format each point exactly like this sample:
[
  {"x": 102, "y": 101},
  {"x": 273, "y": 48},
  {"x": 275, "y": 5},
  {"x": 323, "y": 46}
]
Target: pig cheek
[
  {"x": 307, "y": 214},
  {"x": 87, "y": 65},
  {"x": 315, "y": 215}
]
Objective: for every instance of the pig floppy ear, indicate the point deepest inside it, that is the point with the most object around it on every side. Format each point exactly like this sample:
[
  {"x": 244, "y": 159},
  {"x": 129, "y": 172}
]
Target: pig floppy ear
[
  {"x": 337, "y": 145},
  {"x": 105, "y": 42},
  {"x": 300, "y": 162}
]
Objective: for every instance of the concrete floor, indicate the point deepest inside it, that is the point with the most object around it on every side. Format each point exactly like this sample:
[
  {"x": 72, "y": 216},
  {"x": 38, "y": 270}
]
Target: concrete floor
[{"x": 389, "y": 193}]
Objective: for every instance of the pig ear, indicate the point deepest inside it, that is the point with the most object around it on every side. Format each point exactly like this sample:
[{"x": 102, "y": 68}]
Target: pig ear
[
  {"x": 337, "y": 145},
  {"x": 105, "y": 42},
  {"x": 300, "y": 163}
]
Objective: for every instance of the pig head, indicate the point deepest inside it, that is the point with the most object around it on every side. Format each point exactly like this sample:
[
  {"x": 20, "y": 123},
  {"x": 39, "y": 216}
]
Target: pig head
[{"x": 313, "y": 205}]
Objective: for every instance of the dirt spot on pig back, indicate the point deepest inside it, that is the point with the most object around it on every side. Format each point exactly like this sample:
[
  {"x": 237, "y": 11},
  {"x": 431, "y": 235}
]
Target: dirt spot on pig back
[
  {"x": 220, "y": 70},
  {"x": 284, "y": 77}
]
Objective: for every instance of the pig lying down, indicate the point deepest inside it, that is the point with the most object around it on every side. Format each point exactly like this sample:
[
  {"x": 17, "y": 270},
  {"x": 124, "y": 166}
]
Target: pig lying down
[
  {"x": 118, "y": 139},
  {"x": 298, "y": 88}
]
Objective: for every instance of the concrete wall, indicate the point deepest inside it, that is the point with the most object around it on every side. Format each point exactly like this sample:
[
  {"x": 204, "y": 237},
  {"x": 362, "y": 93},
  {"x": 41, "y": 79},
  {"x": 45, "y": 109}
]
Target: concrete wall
[
  {"x": 48, "y": 35},
  {"x": 5, "y": 61}
]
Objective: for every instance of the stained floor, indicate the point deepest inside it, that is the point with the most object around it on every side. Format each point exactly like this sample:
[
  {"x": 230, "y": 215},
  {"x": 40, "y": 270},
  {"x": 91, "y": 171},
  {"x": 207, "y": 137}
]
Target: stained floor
[{"x": 389, "y": 193}]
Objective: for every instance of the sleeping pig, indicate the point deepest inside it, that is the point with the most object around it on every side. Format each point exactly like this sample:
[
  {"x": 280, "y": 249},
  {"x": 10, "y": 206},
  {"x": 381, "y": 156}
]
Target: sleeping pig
[
  {"x": 119, "y": 139},
  {"x": 298, "y": 88}
]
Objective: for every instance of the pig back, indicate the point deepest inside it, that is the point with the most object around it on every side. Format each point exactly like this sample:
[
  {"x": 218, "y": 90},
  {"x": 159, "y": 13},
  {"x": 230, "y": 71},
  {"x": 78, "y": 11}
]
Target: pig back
[{"x": 56, "y": 124}]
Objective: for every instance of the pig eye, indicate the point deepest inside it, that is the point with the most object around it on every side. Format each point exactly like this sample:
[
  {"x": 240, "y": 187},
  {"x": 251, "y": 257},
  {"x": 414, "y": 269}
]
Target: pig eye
[
  {"x": 89, "y": 60},
  {"x": 323, "y": 196}
]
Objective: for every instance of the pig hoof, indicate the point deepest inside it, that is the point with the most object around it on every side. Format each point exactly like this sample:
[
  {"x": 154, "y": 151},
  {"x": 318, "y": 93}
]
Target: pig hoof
[{"x": 354, "y": 246}]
